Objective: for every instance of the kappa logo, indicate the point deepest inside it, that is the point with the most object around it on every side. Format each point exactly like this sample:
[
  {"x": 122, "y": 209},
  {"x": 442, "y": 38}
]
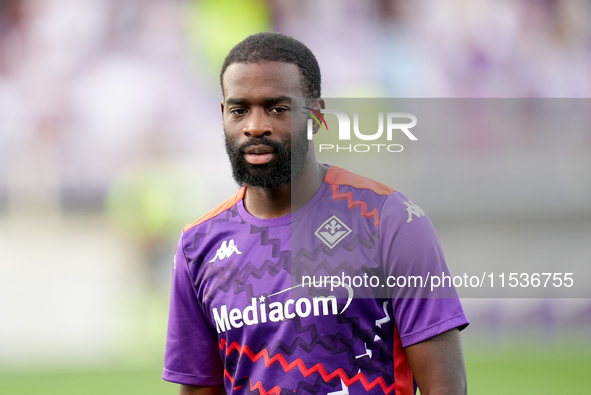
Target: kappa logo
[
  {"x": 332, "y": 231},
  {"x": 413, "y": 209},
  {"x": 226, "y": 250}
]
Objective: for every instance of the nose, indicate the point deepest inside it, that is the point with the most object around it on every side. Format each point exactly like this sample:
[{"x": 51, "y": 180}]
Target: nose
[{"x": 258, "y": 124}]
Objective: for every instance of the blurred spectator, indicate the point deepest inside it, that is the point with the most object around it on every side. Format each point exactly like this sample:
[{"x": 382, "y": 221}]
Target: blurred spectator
[{"x": 88, "y": 82}]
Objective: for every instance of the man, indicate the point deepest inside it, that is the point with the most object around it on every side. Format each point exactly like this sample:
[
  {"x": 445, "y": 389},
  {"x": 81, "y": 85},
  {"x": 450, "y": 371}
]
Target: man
[{"x": 237, "y": 321}]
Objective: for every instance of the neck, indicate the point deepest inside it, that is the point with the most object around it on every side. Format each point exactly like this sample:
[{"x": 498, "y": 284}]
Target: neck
[{"x": 273, "y": 203}]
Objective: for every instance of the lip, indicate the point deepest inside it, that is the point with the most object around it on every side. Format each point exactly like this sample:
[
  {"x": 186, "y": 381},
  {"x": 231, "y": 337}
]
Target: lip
[
  {"x": 259, "y": 149},
  {"x": 259, "y": 154}
]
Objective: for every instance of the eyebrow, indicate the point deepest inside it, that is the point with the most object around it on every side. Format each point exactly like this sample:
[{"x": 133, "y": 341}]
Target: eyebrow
[{"x": 265, "y": 100}]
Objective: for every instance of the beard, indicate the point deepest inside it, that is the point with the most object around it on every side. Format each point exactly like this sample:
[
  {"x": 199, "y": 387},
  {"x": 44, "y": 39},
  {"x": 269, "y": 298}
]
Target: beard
[{"x": 289, "y": 161}]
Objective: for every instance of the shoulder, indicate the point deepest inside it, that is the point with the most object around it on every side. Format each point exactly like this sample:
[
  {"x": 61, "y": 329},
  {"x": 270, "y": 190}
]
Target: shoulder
[
  {"x": 359, "y": 192},
  {"x": 389, "y": 202},
  {"x": 337, "y": 176},
  {"x": 219, "y": 209}
]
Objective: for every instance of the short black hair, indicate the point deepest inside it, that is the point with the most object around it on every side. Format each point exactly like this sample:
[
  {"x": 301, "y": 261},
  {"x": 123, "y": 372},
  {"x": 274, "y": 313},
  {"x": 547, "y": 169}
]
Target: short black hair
[{"x": 277, "y": 47}]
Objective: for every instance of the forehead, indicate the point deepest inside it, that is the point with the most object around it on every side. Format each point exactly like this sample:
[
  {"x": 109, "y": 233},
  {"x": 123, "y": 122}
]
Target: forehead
[{"x": 267, "y": 79}]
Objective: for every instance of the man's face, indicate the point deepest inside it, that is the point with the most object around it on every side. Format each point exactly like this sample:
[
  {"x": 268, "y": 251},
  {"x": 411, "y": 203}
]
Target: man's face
[{"x": 261, "y": 100}]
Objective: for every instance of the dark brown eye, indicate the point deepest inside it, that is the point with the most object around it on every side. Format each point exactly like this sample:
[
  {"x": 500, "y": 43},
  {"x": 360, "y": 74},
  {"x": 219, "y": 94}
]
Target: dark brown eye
[
  {"x": 278, "y": 110},
  {"x": 238, "y": 111}
]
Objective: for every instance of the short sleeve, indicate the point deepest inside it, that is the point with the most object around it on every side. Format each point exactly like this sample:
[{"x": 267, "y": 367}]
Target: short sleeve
[
  {"x": 412, "y": 255},
  {"x": 192, "y": 354}
]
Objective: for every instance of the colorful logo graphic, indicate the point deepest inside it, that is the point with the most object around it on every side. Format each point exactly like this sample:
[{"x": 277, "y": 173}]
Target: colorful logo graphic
[
  {"x": 389, "y": 124},
  {"x": 315, "y": 115}
]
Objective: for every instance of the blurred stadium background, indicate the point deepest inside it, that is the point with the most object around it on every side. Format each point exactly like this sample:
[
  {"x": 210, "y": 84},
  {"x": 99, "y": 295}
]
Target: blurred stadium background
[{"x": 111, "y": 140}]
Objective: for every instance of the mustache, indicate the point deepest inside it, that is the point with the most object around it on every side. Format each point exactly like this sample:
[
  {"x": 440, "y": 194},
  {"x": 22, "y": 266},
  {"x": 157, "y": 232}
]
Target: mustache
[{"x": 260, "y": 141}]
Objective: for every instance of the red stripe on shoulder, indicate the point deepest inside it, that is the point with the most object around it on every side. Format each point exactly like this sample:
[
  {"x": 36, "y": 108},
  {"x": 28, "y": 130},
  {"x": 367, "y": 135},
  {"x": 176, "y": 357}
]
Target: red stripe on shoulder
[
  {"x": 338, "y": 176},
  {"x": 219, "y": 209},
  {"x": 403, "y": 377}
]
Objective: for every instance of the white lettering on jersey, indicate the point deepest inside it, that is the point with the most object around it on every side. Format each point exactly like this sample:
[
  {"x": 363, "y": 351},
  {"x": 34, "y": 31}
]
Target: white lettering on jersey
[
  {"x": 278, "y": 311},
  {"x": 413, "y": 209},
  {"x": 261, "y": 312},
  {"x": 226, "y": 250}
]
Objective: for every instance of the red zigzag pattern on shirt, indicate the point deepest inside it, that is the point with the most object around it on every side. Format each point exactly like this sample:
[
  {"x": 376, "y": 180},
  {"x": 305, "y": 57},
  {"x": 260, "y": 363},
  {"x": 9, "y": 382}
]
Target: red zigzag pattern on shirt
[
  {"x": 259, "y": 386},
  {"x": 318, "y": 368},
  {"x": 336, "y": 195}
]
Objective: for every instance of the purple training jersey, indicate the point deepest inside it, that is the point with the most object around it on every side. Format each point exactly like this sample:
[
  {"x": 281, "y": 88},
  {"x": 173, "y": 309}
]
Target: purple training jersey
[{"x": 306, "y": 303}]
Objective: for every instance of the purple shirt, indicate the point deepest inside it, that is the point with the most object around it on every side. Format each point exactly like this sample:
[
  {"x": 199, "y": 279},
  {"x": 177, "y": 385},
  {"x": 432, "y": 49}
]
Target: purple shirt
[{"x": 320, "y": 301}]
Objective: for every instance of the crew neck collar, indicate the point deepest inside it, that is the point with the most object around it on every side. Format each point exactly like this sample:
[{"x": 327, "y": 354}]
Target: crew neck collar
[{"x": 286, "y": 219}]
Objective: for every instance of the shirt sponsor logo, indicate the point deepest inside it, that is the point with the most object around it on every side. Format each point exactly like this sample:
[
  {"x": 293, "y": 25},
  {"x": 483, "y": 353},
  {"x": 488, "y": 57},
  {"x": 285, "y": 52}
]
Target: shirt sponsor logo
[
  {"x": 332, "y": 231},
  {"x": 260, "y": 312},
  {"x": 226, "y": 250}
]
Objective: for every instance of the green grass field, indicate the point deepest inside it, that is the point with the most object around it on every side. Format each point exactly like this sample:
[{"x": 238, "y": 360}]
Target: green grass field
[
  {"x": 526, "y": 371},
  {"x": 87, "y": 382},
  {"x": 503, "y": 371}
]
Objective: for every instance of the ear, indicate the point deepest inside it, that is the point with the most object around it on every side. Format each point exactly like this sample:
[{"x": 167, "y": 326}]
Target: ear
[
  {"x": 222, "y": 107},
  {"x": 319, "y": 104}
]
